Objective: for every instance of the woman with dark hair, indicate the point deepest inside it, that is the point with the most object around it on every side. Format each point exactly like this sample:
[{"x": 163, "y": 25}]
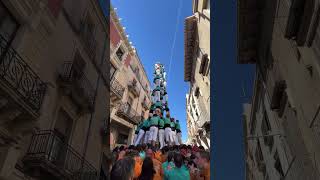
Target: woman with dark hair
[
  {"x": 147, "y": 171},
  {"x": 180, "y": 171},
  {"x": 123, "y": 169},
  {"x": 169, "y": 164}
]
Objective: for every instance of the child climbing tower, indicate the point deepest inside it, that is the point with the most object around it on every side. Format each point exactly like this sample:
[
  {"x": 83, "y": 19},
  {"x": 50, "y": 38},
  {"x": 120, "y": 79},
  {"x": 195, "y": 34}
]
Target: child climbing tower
[{"x": 159, "y": 93}]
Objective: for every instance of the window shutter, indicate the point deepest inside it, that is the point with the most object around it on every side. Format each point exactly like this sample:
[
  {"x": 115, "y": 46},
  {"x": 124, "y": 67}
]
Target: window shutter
[
  {"x": 305, "y": 22},
  {"x": 294, "y": 19},
  {"x": 278, "y": 92}
]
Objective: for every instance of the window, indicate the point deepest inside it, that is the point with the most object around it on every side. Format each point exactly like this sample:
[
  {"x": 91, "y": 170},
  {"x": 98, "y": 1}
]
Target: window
[
  {"x": 299, "y": 20},
  {"x": 122, "y": 139},
  {"x": 197, "y": 92},
  {"x": 277, "y": 164},
  {"x": 8, "y": 25},
  {"x": 120, "y": 53},
  {"x": 195, "y": 6},
  {"x": 78, "y": 66},
  {"x": 136, "y": 72},
  {"x": 204, "y": 65},
  {"x": 112, "y": 71}
]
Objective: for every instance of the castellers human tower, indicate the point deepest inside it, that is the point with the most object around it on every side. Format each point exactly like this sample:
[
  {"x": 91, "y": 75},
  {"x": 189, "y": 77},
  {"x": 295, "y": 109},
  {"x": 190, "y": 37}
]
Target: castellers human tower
[{"x": 160, "y": 128}]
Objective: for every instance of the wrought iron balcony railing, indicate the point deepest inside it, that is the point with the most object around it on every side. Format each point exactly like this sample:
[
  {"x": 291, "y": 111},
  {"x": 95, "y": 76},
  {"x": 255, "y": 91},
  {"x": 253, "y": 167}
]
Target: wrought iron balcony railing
[
  {"x": 125, "y": 111},
  {"x": 49, "y": 154},
  {"x": 78, "y": 85},
  {"x": 133, "y": 88},
  {"x": 18, "y": 76},
  {"x": 117, "y": 88}
]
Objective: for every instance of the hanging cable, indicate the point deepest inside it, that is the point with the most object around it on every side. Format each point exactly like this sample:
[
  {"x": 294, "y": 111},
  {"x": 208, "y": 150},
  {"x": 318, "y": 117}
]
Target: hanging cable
[{"x": 174, "y": 37}]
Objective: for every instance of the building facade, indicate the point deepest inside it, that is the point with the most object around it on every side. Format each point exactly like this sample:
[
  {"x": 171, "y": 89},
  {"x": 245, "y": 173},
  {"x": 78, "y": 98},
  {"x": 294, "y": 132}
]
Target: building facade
[
  {"x": 197, "y": 73},
  {"x": 53, "y": 88},
  {"x": 282, "y": 39},
  {"x": 130, "y": 96}
]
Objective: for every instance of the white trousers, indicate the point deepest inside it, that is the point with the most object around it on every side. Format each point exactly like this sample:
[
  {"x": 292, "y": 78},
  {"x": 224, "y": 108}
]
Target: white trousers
[
  {"x": 168, "y": 135},
  {"x": 174, "y": 137},
  {"x": 153, "y": 134},
  {"x": 161, "y": 138},
  {"x": 179, "y": 136},
  {"x": 157, "y": 95},
  {"x": 146, "y": 137},
  {"x": 139, "y": 138}
]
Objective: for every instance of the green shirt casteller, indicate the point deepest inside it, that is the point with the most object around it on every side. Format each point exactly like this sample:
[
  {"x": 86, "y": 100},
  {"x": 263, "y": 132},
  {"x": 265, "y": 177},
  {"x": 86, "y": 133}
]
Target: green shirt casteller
[
  {"x": 176, "y": 173},
  {"x": 161, "y": 123},
  {"x": 178, "y": 126},
  {"x": 167, "y": 121},
  {"x": 146, "y": 123},
  {"x": 154, "y": 121},
  {"x": 158, "y": 104},
  {"x": 172, "y": 124}
]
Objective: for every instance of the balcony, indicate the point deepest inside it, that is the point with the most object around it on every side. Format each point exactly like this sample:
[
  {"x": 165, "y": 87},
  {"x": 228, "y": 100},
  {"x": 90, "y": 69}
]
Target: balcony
[
  {"x": 19, "y": 84},
  {"x": 117, "y": 90},
  {"x": 125, "y": 111},
  {"x": 204, "y": 117},
  {"x": 49, "y": 157},
  {"x": 76, "y": 85},
  {"x": 190, "y": 42},
  {"x": 133, "y": 88}
]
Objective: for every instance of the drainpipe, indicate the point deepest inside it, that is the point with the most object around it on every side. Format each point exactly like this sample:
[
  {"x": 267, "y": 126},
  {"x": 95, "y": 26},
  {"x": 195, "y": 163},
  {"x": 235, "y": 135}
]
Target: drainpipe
[{"x": 94, "y": 100}]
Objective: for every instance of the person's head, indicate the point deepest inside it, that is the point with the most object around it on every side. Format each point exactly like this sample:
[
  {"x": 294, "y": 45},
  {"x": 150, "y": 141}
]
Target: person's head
[
  {"x": 202, "y": 157},
  {"x": 132, "y": 154},
  {"x": 178, "y": 160},
  {"x": 147, "y": 170},
  {"x": 177, "y": 121},
  {"x": 172, "y": 119},
  {"x": 201, "y": 147},
  {"x": 191, "y": 164},
  {"x": 149, "y": 153},
  {"x": 116, "y": 149},
  {"x": 170, "y": 156},
  {"x": 123, "y": 169},
  {"x": 131, "y": 147},
  {"x": 121, "y": 148},
  {"x": 157, "y": 112}
]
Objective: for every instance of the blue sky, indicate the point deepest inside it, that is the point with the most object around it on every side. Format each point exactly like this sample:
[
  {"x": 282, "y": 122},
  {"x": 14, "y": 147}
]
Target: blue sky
[
  {"x": 230, "y": 79},
  {"x": 151, "y": 27}
]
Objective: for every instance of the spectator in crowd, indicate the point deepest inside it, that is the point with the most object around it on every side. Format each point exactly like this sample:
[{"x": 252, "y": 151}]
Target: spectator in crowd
[
  {"x": 156, "y": 164},
  {"x": 179, "y": 171},
  {"x": 123, "y": 169},
  {"x": 203, "y": 162},
  {"x": 147, "y": 172},
  {"x": 146, "y": 161}
]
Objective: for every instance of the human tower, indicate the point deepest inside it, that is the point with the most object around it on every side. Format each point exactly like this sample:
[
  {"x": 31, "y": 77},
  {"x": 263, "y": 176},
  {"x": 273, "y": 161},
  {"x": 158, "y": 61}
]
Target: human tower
[{"x": 159, "y": 128}]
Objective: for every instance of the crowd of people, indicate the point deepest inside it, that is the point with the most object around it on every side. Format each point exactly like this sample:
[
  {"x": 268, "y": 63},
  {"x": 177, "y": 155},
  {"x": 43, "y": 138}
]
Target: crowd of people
[{"x": 147, "y": 162}]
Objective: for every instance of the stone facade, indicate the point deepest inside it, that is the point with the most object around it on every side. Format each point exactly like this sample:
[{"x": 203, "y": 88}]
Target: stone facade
[
  {"x": 284, "y": 44},
  {"x": 130, "y": 87},
  {"x": 197, "y": 72}
]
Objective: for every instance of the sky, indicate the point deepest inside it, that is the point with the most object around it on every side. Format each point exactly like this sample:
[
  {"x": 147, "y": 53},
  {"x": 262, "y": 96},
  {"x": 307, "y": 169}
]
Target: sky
[
  {"x": 151, "y": 26},
  {"x": 230, "y": 80}
]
